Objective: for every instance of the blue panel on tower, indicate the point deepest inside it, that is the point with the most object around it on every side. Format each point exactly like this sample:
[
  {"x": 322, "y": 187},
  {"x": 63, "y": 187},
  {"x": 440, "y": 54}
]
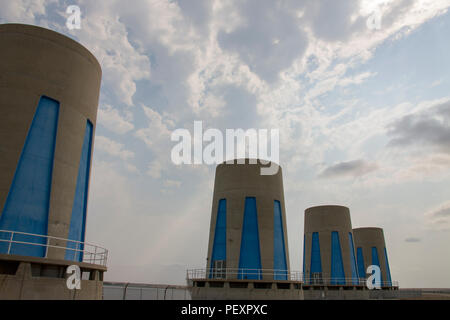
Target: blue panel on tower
[
  {"x": 337, "y": 265},
  {"x": 304, "y": 257},
  {"x": 388, "y": 270},
  {"x": 352, "y": 259},
  {"x": 279, "y": 250},
  {"x": 250, "y": 257},
  {"x": 375, "y": 260},
  {"x": 27, "y": 205},
  {"x": 316, "y": 262},
  {"x": 220, "y": 234},
  {"x": 78, "y": 218},
  {"x": 361, "y": 270}
]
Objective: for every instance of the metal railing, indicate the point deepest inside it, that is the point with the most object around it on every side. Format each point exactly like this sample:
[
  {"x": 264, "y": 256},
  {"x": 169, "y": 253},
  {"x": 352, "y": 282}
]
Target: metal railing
[
  {"x": 322, "y": 278},
  {"x": 277, "y": 275},
  {"x": 140, "y": 291},
  {"x": 243, "y": 274},
  {"x": 90, "y": 253},
  {"x": 346, "y": 282}
]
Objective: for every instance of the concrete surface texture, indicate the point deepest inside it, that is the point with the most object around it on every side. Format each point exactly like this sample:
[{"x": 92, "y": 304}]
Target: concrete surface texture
[
  {"x": 235, "y": 182},
  {"x": 324, "y": 220},
  {"x": 367, "y": 240},
  {"x": 31, "y": 278},
  {"x": 253, "y": 290}
]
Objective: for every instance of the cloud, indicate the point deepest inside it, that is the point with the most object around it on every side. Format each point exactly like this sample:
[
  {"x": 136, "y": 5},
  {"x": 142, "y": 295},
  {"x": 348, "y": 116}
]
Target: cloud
[
  {"x": 156, "y": 130},
  {"x": 337, "y": 79},
  {"x": 111, "y": 119},
  {"x": 331, "y": 20},
  {"x": 155, "y": 169},
  {"x": 172, "y": 183},
  {"x": 112, "y": 148},
  {"x": 131, "y": 168},
  {"x": 443, "y": 212},
  {"x": 353, "y": 168},
  {"x": 25, "y": 11},
  {"x": 198, "y": 12},
  {"x": 428, "y": 128},
  {"x": 439, "y": 217},
  {"x": 413, "y": 240},
  {"x": 268, "y": 39},
  {"x": 107, "y": 37},
  {"x": 395, "y": 11}
]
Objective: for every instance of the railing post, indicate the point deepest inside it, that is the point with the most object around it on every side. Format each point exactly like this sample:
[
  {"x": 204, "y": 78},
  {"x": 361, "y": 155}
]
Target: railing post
[
  {"x": 79, "y": 250},
  {"x": 10, "y": 242},
  {"x": 46, "y": 247}
]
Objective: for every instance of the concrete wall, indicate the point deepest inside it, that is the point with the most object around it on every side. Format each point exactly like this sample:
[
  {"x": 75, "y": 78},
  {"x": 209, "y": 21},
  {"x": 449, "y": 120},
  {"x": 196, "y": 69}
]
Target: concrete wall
[
  {"x": 34, "y": 62},
  {"x": 252, "y": 292},
  {"x": 31, "y": 278},
  {"x": 235, "y": 182},
  {"x": 325, "y": 220},
  {"x": 336, "y": 294},
  {"x": 366, "y": 238}
]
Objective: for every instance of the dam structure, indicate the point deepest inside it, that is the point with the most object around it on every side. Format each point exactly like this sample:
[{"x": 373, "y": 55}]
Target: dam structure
[{"x": 248, "y": 254}]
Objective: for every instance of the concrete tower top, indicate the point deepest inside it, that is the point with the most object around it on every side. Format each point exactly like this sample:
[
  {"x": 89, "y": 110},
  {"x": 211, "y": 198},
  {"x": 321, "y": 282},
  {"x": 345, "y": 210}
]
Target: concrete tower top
[
  {"x": 247, "y": 177},
  {"x": 327, "y": 218},
  {"x": 247, "y": 161},
  {"x": 44, "y": 62},
  {"x": 369, "y": 236},
  {"x": 368, "y": 229},
  {"x": 50, "y": 35}
]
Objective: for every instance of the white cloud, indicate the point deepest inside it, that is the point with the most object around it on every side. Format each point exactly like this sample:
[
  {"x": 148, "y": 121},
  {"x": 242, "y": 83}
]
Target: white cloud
[
  {"x": 156, "y": 130},
  {"x": 24, "y": 11},
  {"x": 155, "y": 169},
  {"x": 131, "y": 168},
  {"x": 439, "y": 217},
  {"x": 172, "y": 183},
  {"x": 123, "y": 63},
  {"x": 111, "y": 119},
  {"x": 353, "y": 168},
  {"x": 112, "y": 148}
]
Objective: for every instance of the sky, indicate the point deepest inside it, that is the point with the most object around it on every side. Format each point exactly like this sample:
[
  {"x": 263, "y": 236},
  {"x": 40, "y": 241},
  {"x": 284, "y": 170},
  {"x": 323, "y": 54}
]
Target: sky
[{"x": 358, "y": 89}]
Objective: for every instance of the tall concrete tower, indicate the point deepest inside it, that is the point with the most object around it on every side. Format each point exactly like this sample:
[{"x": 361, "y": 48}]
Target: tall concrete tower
[
  {"x": 248, "y": 224},
  {"x": 371, "y": 250},
  {"x": 329, "y": 254},
  {"x": 49, "y": 91}
]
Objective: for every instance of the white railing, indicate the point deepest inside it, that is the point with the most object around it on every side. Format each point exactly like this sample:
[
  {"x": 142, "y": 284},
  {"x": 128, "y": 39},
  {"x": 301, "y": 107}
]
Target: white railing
[
  {"x": 91, "y": 253},
  {"x": 346, "y": 282},
  {"x": 275, "y": 275},
  {"x": 243, "y": 274}
]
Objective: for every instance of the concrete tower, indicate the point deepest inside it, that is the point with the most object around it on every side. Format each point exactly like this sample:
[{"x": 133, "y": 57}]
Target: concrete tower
[
  {"x": 49, "y": 91},
  {"x": 328, "y": 254},
  {"x": 248, "y": 236},
  {"x": 371, "y": 250}
]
